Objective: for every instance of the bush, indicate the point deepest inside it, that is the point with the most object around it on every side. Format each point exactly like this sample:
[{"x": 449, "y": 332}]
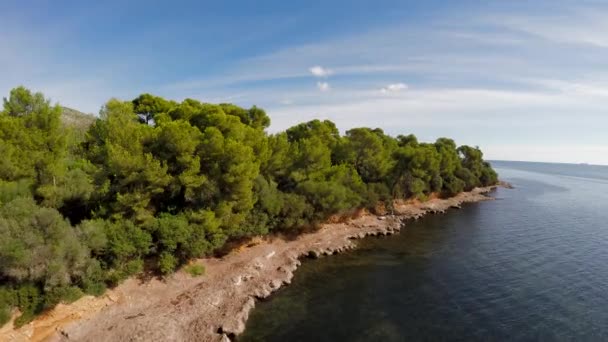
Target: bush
[
  {"x": 328, "y": 197},
  {"x": 11, "y": 190},
  {"x": 24, "y": 319},
  {"x": 195, "y": 270},
  {"x": 38, "y": 245},
  {"x": 6, "y": 304},
  {"x": 93, "y": 279},
  {"x": 66, "y": 294},
  {"x": 30, "y": 301},
  {"x": 488, "y": 175},
  {"x": 95, "y": 289},
  {"x": 166, "y": 263},
  {"x": 126, "y": 241},
  {"x": 452, "y": 186},
  {"x": 133, "y": 267},
  {"x": 121, "y": 272},
  {"x": 296, "y": 212},
  {"x": 417, "y": 187},
  {"x": 5, "y": 314}
]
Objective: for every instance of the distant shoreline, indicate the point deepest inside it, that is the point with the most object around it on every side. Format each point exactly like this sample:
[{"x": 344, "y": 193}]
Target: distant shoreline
[
  {"x": 547, "y": 162},
  {"x": 215, "y": 307}
]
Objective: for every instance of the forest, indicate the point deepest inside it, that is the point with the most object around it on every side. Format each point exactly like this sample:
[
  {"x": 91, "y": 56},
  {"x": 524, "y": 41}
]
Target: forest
[{"x": 153, "y": 183}]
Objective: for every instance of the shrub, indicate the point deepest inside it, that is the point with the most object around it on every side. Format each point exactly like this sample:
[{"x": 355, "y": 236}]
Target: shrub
[
  {"x": 93, "y": 279},
  {"x": 30, "y": 301},
  {"x": 65, "y": 294},
  {"x": 121, "y": 272},
  {"x": 5, "y": 314},
  {"x": 6, "y": 304},
  {"x": 195, "y": 270},
  {"x": 167, "y": 263}
]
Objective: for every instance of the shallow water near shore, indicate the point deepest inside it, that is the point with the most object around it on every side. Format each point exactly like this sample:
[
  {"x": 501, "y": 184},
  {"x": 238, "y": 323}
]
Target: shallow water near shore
[{"x": 532, "y": 265}]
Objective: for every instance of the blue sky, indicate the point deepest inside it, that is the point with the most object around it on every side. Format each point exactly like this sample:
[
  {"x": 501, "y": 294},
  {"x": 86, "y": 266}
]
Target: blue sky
[{"x": 523, "y": 80}]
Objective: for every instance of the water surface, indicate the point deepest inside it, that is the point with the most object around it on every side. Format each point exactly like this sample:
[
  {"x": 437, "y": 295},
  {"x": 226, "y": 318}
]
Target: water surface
[{"x": 532, "y": 265}]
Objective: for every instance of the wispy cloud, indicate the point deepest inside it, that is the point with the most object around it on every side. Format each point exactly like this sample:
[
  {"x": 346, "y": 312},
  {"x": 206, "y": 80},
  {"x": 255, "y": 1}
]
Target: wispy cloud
[
  {"x": 495, "y": 79},
  {"x": 485, "y": 117},
  {"x": 579, "y": 88},
  {"x": 571, "y": 26},
  {"x": 319, "y": 71},
  {"x": 394, "y": 87},
  {"x": 479, "y": 82}
]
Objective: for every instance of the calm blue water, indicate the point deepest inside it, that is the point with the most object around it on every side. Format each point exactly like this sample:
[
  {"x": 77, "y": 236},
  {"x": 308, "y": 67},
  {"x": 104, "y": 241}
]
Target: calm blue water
[{"x": 532, "y": 265}]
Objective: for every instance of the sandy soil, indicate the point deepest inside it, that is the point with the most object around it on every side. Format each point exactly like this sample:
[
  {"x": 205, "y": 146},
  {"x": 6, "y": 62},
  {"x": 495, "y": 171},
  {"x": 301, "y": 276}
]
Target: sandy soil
[{"x": 213, "y": 307}]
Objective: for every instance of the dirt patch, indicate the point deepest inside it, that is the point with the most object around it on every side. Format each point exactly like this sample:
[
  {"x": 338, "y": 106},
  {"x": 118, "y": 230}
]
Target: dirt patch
[{"x": 215, "y": 307}]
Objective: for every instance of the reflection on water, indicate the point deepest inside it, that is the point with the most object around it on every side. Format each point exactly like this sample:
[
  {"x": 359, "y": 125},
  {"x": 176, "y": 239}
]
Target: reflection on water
[{"x": 532, "y": 265}]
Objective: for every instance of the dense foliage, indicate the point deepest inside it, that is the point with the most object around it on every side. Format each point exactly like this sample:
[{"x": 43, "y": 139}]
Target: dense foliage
[{"x": 155, "y": 182}]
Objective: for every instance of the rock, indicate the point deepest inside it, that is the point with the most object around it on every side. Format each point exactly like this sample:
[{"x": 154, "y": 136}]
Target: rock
[
  {"x": 216, "y": 301},
  {"x": 506, "y": 185},
  {"x": 258, "y": 265},
  {"x": 315, "y": 254},
  {"x": 113, "y": 297},
  {"x": 275, "y": 284},
  {"x": 270, "y": 255}
]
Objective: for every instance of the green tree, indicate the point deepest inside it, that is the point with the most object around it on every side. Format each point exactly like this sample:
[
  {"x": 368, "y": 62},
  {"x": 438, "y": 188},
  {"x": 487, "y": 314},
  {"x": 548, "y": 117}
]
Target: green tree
[
  {"x": 39, "y": 245},
  {"x": 156, "y": 183},
  {"x": 369, "y": 151},
  {"x": 147, "y": 107}
]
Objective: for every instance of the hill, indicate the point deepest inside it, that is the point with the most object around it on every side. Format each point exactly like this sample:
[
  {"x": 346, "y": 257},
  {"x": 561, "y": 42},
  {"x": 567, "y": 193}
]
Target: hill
[{"x": 73, "y": 118}]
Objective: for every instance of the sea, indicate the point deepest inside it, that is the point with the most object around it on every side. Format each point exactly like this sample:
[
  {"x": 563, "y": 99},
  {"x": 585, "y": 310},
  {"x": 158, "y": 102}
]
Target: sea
[{"x": 532, "y": 265}]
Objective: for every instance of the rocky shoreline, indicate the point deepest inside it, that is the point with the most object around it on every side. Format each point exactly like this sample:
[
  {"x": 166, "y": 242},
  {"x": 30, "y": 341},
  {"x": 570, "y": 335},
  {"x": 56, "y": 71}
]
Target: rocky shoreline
[{"x": 215, "y": 307}]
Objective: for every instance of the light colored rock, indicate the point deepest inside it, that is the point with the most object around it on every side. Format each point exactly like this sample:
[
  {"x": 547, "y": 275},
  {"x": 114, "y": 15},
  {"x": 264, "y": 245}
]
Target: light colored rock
[{"x": 270, "y": 255}]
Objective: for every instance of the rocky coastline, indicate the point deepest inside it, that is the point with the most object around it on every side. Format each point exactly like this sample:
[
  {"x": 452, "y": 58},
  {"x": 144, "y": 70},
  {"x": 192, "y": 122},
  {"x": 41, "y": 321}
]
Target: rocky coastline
[{"x": 215, "y": 307}]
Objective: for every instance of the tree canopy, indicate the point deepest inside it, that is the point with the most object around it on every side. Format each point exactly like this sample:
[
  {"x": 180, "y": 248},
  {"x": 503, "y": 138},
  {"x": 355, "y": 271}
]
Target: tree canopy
[{"x": 159, "y": 181}]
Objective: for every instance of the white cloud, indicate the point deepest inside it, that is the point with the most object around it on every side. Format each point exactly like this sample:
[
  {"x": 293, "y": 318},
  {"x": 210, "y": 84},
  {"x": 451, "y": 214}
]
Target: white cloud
[
  {"x": 439, "y": 108},
  {"x": 319, "y": 71},
  {"x": 495, "y": 80},
  {"x": 323, "y": 86},
  {"x": 489, "y": 118},
  {"x": 394, "y": 87}
]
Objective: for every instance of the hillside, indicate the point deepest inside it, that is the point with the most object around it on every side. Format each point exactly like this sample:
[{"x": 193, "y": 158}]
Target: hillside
[{"x": 72, "y": 117}]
